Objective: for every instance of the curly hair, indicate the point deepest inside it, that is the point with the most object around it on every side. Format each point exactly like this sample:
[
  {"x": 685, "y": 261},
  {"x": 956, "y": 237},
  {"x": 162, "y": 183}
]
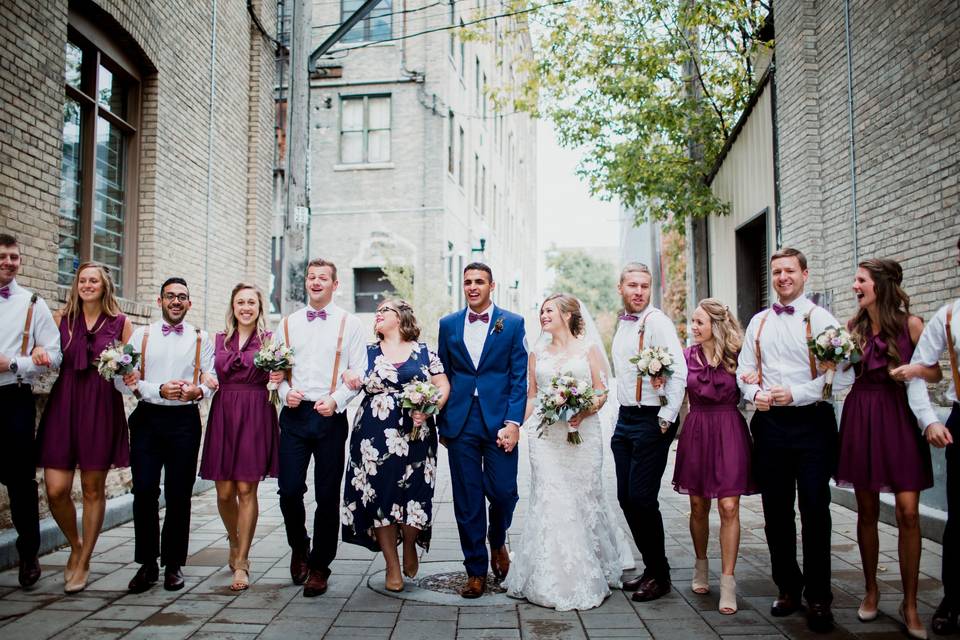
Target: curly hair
[
  {"x": 727, "y": 335},
  {"x": 568, "y": 304},
  {"x": 893, "y": 306},
  {"x": 409, "y": 329}
]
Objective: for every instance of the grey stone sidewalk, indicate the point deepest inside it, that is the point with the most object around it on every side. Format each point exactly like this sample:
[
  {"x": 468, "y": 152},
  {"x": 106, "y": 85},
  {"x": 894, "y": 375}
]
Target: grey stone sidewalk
[{"x": 274, "y": 608}]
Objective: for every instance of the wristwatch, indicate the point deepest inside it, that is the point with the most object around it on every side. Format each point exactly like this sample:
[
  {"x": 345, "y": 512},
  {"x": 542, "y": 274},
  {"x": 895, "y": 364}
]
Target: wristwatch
[
  {"x": 664, "y": 424},
  {"x": 14, "y": 366}
]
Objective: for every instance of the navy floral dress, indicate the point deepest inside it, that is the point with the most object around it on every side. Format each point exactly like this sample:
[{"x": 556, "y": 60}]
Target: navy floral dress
[{"x": 390, "y": 477}]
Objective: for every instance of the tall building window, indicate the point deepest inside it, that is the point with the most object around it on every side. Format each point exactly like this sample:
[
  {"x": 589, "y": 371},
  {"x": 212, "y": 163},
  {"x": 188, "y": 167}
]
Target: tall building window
[
  {"x": 463, "y": 52},
  {"x": 476, "y": 181},
  {"x": 98, "y": 174},
  {"x": 483, "y": 191},
  {"x": 364, "y": 129},
  {"x": 483, "y": 100},
  {"x": 451, "y": 140},
  {"x": 451, "y": 8},
  {"x": 375, "y": 26},
  {"x": 477, "y": 89},
  {"x": 370, "y": 287},
  {"x": 460, "y": 170}
]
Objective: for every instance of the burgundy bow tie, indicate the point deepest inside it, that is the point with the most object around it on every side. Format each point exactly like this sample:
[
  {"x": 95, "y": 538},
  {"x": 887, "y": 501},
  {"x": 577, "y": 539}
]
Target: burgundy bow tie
[
  {"x": 779, "y": 308},
  {"x": 167, "y": 329},
  {"x": 5, "y": 292},
  {"x": 482, "y": 317},
  {"x": 313, "y": 315},
  {"x": 629, "y": 317}
]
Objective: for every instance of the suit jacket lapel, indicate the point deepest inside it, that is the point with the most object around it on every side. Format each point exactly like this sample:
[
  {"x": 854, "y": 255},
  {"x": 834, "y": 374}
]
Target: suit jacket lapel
[
  {"x": 458, "y": 339},
  {"x": 488, "y": 341}
]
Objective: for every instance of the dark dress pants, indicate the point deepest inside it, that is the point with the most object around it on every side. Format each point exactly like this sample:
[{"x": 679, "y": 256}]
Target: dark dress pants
[
  {"x": 951, "y": 534},
  {"x": 480, "y": 471},
  {"x": 18, "y": 469},
  {"x": 795, "y": 452},
  {"x": 304, "y": 433},
  {"x": 167, "y": 439},
  {"x": 640, "y": 452}
]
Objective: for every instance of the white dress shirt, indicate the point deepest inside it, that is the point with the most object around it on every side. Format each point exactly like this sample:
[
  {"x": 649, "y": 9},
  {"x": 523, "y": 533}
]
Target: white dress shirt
[
  {"x": 933, "y": 342},
  {"x": 659, "y": 331},
  {"x": 171, "y": 357},
  {"x": 43, "y": 332},
  {"x": 315, "y": 349},
  {"x": 786, "y": 358},
  {"x": 475, "y": 334}
]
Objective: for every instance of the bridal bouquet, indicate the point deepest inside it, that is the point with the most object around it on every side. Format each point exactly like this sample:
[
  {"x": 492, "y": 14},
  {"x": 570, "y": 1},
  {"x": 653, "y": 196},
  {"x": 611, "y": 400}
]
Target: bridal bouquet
[
  {"x": 117, "y": 359},
  {"x": 422, "y": 396},
  {"x": 654, "y": 362},
  {"x": 564, "y": 398},
  {"x": 274, "y": 356},
  {"x": 833, "y": 346}
]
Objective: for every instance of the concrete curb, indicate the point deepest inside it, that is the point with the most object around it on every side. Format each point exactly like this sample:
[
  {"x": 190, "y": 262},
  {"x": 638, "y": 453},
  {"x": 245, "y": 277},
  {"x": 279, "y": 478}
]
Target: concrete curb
[
  {"x": 932, "y": 521},
  {"x": 119, "y": 511}
]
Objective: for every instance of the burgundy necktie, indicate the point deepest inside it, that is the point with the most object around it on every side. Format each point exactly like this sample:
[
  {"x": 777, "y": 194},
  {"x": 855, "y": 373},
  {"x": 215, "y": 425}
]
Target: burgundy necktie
[
  {"x": 628, "y": 317},
  {"x": 167, "y": 329},
  {"x": 5, "y": 292},
  {"x": 313, "y": 315},
  {"x": 482, "y": 317},
  {"x": 779, "y": 308}
]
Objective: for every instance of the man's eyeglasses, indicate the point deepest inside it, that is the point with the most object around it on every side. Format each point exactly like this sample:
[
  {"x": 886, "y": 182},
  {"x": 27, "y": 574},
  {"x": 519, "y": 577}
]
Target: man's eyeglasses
[{"x": 180, "y": 297}]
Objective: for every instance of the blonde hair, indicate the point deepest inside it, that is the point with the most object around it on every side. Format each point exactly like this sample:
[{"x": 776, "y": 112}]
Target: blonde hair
[
  {"x": 634, "y": 267},
  {"x": 74, "y": 306},
  {"x": 727, "y": 335},
  {"x": 231, "y": 320},
  {"x": 567, "y": 304}
]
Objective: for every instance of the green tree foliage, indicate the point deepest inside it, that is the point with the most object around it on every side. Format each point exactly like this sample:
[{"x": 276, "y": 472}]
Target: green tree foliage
[
  {"x": 649, "y": 89},
  {"x": 592, "y": 280}
]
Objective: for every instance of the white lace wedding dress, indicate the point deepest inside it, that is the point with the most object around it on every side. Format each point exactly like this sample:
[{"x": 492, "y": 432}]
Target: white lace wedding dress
[{"x": 571, "y": 550}]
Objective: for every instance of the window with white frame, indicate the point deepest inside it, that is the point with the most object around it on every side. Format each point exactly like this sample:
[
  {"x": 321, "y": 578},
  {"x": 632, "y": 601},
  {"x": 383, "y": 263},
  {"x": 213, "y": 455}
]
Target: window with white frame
[
  {"x": 364, "y": 129},
  {"x": 460, "y": 169}
]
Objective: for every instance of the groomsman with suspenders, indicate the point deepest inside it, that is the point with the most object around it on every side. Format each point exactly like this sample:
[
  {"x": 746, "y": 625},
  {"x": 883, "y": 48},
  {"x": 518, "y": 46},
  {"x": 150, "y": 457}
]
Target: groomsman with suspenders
[
  {"x": 326, "y": 341},
  {"x": 25, "y": 322},
  {"x": 941, "y": 334},
  {"x": 795, "y": 437},
  {"x": 165, "y": 434}
]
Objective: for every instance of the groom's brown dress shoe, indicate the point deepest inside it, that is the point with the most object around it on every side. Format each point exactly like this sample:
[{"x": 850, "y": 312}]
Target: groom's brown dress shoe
[
  {"x": 651, "y": 590},
  {"x": 475, "y": 587},
  {"x": 635, "y": 582},
  {"x": 500, "y": 562}
]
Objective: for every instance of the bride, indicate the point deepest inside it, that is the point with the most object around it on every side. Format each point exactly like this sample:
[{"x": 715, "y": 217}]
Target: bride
[{"x": 572, "y": 550}]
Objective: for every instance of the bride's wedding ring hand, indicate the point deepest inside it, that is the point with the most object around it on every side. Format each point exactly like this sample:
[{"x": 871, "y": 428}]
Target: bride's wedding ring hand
[{"x": 508, "y": 437}]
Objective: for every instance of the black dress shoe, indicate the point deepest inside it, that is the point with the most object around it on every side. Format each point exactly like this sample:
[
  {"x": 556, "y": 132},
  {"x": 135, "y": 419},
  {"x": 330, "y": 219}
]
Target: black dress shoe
[
  {"x": 173, "y": 578},
  {"x": 29, "y": 572},
  {"x": 146, "y": 576},
  {"x": 299, "y": 570},
  {"x": 819, "y": 617},
  {"x": 944, "y": 619},
  {"x": 635, "y": 582},
  {"x": 785, "y": 605},
  {"x": 651, "y": 590}
]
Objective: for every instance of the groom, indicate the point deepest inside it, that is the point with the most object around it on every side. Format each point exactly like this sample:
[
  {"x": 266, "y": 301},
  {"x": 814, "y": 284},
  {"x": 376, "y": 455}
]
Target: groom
[{"x": 483, "y": 352}]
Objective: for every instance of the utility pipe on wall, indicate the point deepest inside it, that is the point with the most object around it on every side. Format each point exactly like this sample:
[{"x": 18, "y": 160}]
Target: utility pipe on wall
[{"x": 853, "y": 152}]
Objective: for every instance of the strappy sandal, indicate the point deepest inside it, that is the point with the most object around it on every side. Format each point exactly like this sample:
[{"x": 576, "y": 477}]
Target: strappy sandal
[
  {"x": 701, "y": 576},
  {"x": 728, "y": 595},
  {"x": 241, "y": 576}
]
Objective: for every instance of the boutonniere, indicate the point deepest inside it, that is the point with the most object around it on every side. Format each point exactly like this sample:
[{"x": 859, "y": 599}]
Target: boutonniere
[{"x": 498, "y": 325}]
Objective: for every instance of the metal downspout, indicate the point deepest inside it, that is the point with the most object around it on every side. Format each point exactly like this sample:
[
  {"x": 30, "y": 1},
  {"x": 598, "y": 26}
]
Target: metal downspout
[
  {"x": 853, "y": 152},
  {"x": 206, "y": 222}
]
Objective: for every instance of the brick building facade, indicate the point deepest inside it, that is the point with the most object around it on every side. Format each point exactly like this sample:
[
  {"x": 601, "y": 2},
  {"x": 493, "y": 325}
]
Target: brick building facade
[{"x": 140, "y": 134}]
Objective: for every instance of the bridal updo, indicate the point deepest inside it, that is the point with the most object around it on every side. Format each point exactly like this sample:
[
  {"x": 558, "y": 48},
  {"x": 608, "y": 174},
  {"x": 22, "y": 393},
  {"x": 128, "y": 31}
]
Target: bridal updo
[{"x": 567, "y": 304}]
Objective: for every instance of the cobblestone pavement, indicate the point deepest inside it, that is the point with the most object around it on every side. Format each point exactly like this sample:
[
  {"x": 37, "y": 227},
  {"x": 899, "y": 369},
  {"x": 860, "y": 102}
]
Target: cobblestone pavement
[{"x": 274, "y": 608}]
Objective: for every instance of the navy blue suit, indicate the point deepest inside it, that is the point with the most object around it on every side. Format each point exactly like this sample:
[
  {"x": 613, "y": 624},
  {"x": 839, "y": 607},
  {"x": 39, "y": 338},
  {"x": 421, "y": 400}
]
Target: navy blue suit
[{"x": 479, "y": 469}]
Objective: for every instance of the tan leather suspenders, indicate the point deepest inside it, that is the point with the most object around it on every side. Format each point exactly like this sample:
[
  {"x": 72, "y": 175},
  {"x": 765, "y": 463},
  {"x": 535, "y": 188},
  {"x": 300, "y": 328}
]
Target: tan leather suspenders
[
  {"x": 643, "y": 329},
  {"x": 336, "y": 360},
  {"x": 756, "y": 347},
  {"x": 143, "y": 355},
  {"x": 952, "y": 351},
  {"x": 27, "y": 326}
]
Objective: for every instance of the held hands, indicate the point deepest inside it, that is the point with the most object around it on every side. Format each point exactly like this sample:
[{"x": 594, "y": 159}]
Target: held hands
[
  {"x": 326, "y": 406},
  {"x": 40, "y": 357},
  {"x": 938, "y": 435},
  {"x": 508, "y": 437},
  {"x": 352, "y": 380}
]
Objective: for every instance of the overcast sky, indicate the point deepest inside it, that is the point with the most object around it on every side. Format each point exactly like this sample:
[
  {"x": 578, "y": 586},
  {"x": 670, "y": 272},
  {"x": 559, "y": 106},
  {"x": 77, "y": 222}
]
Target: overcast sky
[{"x": 566, "y": 214}]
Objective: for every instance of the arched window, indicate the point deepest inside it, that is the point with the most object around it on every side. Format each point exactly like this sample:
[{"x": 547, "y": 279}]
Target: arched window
[{"x": 98, "y": 189}]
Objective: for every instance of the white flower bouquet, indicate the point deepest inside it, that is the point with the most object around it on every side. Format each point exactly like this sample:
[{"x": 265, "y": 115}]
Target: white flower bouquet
[
  {"x": 564, "y": 398},
  {"x": 117, "y": 359},
  {"x": 274, "y": 356},
  {"x": 654, "y": 362},
  {"x": 422, "y": 396},
  {"x": 833, "y": 346}
]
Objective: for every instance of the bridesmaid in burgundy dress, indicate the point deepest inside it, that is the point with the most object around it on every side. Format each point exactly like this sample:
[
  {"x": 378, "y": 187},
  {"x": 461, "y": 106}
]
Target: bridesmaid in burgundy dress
[
  {"x": 84, "y": 425},
  {"x": 713, "y": 452},
  {"x": 242, "y": 438},
  {"x": 881, "y": 446}
]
